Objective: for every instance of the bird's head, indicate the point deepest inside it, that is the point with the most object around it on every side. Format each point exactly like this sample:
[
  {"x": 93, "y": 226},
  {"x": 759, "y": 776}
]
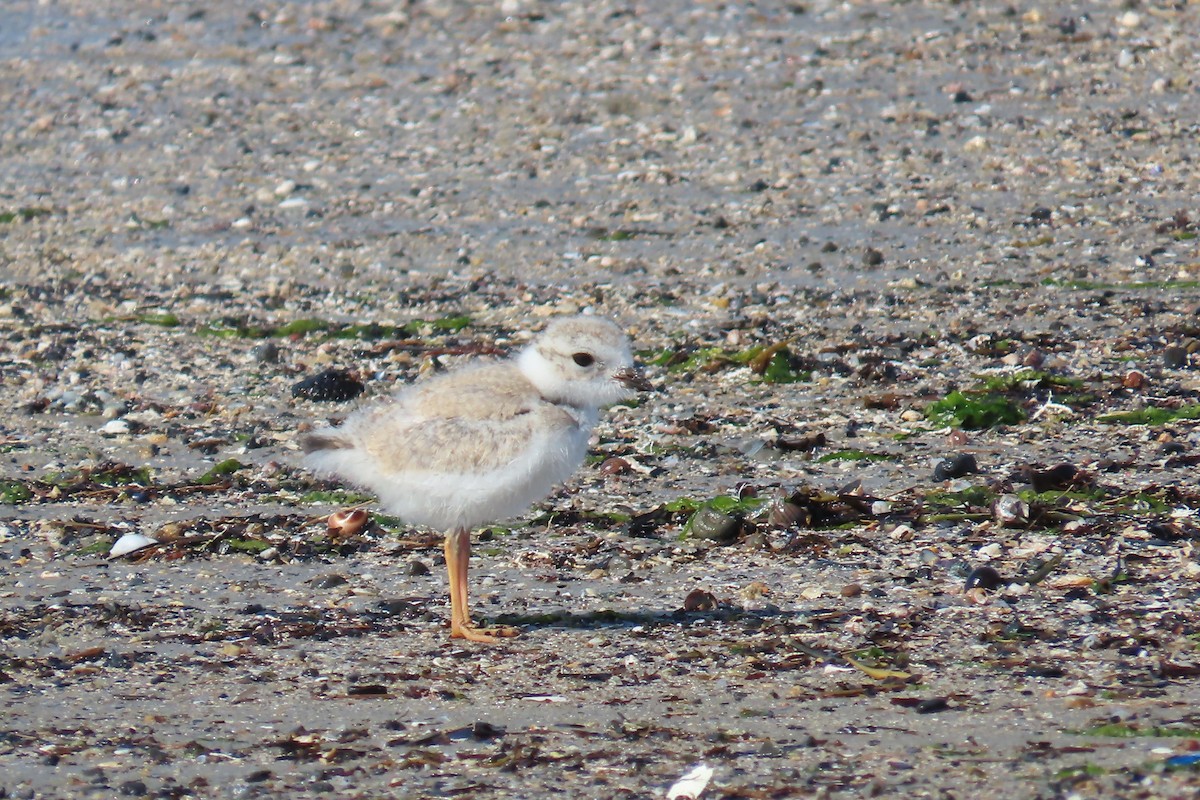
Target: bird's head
[{"x": 584, "y": 362}]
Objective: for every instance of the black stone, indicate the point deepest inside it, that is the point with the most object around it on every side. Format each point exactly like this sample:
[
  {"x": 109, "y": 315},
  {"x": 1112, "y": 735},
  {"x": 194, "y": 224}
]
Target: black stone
[
  {"x": 950, "y": 468},
  {"x": 330, "y": 386}
]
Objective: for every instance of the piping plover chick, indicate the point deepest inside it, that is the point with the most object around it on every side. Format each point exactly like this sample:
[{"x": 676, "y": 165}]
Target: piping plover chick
[{"x": 482, "y": 443}]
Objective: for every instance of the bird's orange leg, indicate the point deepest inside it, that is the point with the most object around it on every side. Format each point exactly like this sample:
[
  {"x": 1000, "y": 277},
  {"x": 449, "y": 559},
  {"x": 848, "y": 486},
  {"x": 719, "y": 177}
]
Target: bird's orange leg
[{"x": 458, "y": 557}]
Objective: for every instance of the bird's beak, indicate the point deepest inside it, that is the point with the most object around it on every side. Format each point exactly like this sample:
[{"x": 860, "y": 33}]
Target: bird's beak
[{"x": 633, "y": 378}]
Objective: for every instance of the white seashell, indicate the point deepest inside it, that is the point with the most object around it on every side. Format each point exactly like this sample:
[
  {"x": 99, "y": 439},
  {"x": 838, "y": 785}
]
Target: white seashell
[
  {"x": 692, "y": 784},
  {"x": 130, "y": 543},
  {"x": 1010, "y": 510},
  {"x": 115, "y": 427}
]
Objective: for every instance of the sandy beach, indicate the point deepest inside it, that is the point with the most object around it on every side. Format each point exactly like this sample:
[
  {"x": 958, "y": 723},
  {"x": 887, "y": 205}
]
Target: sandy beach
[{"x": 911, "y": 512}]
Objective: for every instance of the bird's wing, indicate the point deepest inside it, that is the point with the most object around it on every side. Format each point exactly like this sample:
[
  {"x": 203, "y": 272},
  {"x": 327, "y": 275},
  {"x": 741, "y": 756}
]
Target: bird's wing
[
  {"x": 474, "y": 444},
  {"x": 472, "y": 421}
]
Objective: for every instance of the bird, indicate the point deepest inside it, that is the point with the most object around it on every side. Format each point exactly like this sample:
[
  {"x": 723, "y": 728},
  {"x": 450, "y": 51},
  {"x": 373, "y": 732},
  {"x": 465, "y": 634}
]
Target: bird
[{"x": 482, "y": 443}]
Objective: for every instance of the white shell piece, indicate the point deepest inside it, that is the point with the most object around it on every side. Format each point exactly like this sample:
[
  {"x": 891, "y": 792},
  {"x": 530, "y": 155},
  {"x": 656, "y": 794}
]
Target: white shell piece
[
  {"x": 691, "y": 784},
  {"x": 129, "y": 543}
]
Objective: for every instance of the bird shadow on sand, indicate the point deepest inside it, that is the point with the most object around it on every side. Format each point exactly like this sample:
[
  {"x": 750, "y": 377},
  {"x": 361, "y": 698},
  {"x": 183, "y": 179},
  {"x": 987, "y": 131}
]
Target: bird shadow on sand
[{"x": 607, "y": 618}]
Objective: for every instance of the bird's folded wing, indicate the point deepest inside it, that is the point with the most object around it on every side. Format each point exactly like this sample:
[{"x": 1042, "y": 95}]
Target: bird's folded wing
[{"x": 464, "y": 444}]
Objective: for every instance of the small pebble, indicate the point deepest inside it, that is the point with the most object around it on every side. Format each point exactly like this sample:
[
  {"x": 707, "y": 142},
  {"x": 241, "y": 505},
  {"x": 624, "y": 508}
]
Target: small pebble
[
  {"x": 950, "y": 468},
  {"x": 347, "y": 522},
  {"x": 265, "y": 353},
  {"x": 1130, "y": 19},
  {"x": 1175, "y": 357},
  {"x": 330, "y": 386},
  {"x": 753, "y": 590},
  {"x": 1135, "y": 379},
  {"x": 115, "y": 427},
  {"x": 133, "y": 789},
  {"x": 699, "y": 600},
  {"x": 711, "y": 524},
  {"x": 615, "y": 466},
  {"x": 985, "y": 578},
  {"x": 1034, "y": 358},
  {"x": 976, "y": 144},
  {"x": 932, "y": 705}
]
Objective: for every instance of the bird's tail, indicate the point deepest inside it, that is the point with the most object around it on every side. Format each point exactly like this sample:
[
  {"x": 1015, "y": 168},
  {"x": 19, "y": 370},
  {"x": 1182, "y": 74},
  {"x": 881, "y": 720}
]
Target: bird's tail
[
  {"x": 331, "y": 452},
  {"x": 324, "y": 440}
]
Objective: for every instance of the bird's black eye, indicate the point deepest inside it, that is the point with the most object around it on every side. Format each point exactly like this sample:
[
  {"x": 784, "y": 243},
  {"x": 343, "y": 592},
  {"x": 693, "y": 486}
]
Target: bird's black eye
[{"x": 584, "y": 359}]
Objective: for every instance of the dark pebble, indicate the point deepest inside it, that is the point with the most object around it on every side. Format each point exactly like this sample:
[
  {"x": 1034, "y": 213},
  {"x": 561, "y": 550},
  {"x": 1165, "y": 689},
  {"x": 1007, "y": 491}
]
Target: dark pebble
[
  {"x": 872, "y": 257},
  {"x": 485, "y": 730},
  {"x": 963, "y": 96},
  {"x": 417, "y": 567},
  {"x": 132, "y": 789},
  {"x": 709, "y": 523},
  {"x": 757, "y": 541},
  {"x": 615, "y": 466},
  {"x": 933, "y": 704},
  {"x": 950, "y": 468},
  {"x": 612, "y": 564},
  {"x": 258, "y": 776},
  {"x": 330, "y": 386},
  {"x": 1056, "y": 478},
  {"x": 985, "y": 578},
  {"x": 1045, "y": 671},
  {"x": 699, "y": 600},
  {"x": 802, "y": 443},
  {"x": 118, "y": 661},
  {"x": 1175, "y": 358},
  {"x": 647, "y": 524},
  {"x": 398, "y": 607},
  {"x": 265, "y": 353},
  {"x": 329, "y": 581}
]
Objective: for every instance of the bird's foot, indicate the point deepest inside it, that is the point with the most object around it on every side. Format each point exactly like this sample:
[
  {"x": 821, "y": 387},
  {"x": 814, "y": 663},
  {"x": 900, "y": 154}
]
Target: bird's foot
[{"x": 488, "y": 635}]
